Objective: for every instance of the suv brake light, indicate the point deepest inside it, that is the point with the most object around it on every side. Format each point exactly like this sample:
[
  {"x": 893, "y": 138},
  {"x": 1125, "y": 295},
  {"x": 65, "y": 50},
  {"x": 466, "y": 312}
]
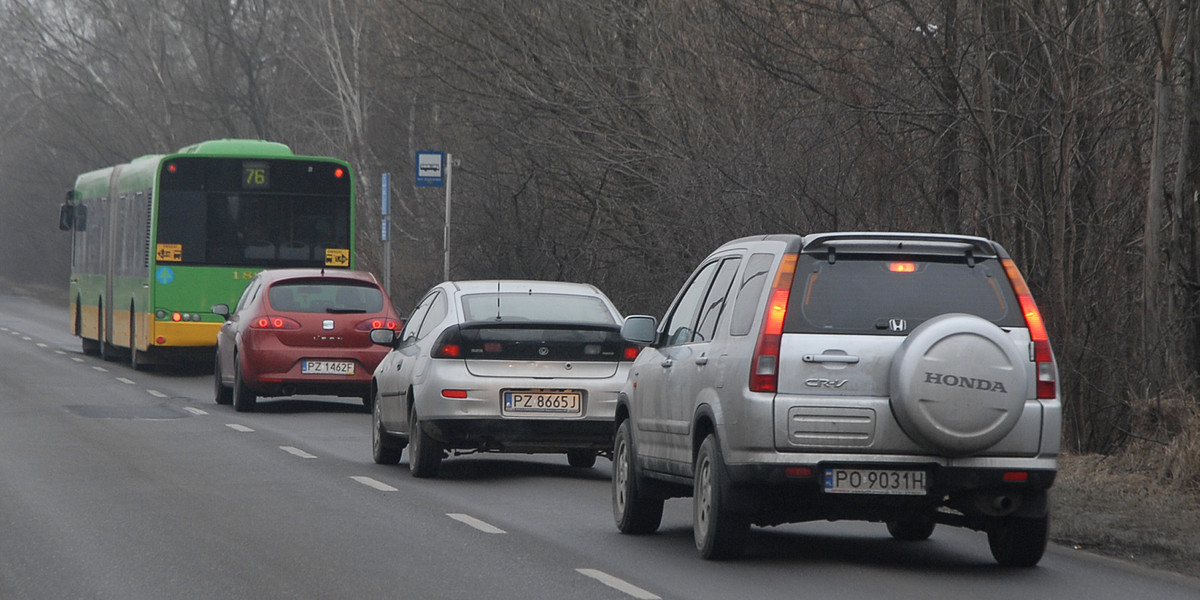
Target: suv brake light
[
  {"x": 1047, "y": 385},
  {"x": 764, "y": 374}
]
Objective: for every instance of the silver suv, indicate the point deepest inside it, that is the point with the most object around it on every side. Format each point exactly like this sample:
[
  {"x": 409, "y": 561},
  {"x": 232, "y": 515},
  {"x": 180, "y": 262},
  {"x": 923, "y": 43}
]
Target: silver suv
[{"x": 890, "y": 377}]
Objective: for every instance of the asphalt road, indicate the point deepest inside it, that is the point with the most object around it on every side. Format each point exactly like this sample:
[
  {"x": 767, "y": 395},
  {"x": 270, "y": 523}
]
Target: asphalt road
[{"x": 132, "y": 485}]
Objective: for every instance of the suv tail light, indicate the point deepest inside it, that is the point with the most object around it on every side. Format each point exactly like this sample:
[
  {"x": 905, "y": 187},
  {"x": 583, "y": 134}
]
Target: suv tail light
[
  {"x": 1047, "y": 385},
  {"x": 764, "y": 367}
]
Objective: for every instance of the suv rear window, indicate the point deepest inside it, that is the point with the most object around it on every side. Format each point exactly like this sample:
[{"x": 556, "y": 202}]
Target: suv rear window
[{"x": 890, "y": 295}]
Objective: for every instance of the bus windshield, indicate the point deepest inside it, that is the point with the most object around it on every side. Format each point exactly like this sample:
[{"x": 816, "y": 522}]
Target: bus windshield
[{"x": 266, "y": 213}]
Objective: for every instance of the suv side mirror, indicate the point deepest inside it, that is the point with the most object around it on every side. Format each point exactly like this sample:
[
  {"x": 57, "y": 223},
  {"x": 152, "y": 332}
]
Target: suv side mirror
[
  {"x": 640, "y": 329},
  {"x": 384, "y": 337}
]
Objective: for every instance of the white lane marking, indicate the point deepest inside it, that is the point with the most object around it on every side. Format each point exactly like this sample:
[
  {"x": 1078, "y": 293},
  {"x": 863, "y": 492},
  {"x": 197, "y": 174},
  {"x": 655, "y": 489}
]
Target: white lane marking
[
  {"x": 236, "y": 427},
  {"x": 476, "y": 523},
  {"x": 101, "y": 369},
  {"x": 27, "y": 338},
  {"x": 158, "y": 394},
  {"x": 41, "y": 345},
  {"x": 297, "y": 452},
  {"x": 193, "y": 410},
  {"x": 379, "y": 485},
  {"x": 60, "y": 352},
  {"x": 126, "y": 380},
  {"x": 76, "y": 359},
  {"x": 619, "y": 584}
]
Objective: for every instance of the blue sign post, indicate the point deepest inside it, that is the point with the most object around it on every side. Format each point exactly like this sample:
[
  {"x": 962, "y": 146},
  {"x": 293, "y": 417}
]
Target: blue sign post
[{"x": 383, "y": 234}]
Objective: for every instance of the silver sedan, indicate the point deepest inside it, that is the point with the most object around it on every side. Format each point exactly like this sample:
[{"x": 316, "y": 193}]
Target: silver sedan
[{"x": 500, "y": 366}]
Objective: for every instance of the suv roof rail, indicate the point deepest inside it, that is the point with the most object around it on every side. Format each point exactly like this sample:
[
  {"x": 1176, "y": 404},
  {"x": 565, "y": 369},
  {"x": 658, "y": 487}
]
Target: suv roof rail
[{"x": 918, "y": 243}]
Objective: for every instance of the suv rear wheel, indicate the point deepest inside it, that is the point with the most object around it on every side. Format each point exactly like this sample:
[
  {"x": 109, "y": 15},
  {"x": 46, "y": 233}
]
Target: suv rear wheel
[
  {"x": 911, "y": 530},
  {"x": 1017, "y": 542},
  {"x": 633, "y": 510},
  {"x": 719, "y": 531}
]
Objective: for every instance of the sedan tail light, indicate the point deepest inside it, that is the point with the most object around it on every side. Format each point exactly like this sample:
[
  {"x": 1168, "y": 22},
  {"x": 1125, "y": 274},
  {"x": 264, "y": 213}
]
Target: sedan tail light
[
  {"x": 1043, "y": 356},
  {"x": 274, "y": 322},
  {"x": 449, "y": 344}
]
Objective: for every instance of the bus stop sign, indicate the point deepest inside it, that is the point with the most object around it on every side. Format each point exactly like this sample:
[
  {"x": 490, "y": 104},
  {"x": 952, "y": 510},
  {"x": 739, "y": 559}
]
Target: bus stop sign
[{"x": 431, "y": 169}]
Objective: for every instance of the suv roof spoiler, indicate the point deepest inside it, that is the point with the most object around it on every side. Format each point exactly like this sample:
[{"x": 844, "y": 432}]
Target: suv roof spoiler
[{"x": 915, "y": 243}]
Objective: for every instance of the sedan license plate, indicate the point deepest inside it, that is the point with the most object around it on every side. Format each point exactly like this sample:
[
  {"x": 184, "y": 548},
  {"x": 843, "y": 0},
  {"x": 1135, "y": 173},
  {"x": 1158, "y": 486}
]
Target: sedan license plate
[
  {"x": 555, "y": 402},
  {"x": 875, "y": 481},
  {"x": 327, "y": 367}
]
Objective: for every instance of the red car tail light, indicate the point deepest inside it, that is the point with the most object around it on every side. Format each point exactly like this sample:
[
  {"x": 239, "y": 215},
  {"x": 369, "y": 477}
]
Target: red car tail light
[
  {"x": 630, "y": 352},
  {"x": 274, "y": 322},
  {"x": 764, "y": 374},
  {"x": 1047, "y": 384},
  {"x": 378, "y": 323}
]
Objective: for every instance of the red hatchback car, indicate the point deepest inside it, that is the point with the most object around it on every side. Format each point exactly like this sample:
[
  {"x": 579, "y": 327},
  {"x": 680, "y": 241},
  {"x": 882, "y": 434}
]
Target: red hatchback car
[{"x": 301, "y": 331}]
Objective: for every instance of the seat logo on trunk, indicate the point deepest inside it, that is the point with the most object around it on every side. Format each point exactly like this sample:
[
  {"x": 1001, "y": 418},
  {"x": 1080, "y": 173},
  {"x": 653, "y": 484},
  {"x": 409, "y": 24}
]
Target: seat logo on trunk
[{"x": 973, "y": 383}]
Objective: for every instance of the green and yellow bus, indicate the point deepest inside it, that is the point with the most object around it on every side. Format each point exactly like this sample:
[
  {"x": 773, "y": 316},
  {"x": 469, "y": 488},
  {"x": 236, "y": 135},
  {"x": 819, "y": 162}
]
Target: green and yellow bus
[{"x": 157, "y": 241}]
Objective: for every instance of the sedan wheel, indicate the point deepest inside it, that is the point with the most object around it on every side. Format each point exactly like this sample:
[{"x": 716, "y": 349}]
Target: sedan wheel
[
  {"x": 385, "y": 448},
  {"x": 425, "y": 456}
]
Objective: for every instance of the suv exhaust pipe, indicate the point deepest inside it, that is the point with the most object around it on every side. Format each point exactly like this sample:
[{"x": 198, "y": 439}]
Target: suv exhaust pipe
[{"x": 997, "y": 505}]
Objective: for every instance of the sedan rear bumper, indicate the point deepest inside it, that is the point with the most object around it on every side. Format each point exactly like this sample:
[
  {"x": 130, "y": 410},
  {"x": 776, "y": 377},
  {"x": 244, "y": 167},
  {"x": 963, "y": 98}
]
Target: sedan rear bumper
[{"x": 521, "y": 435}]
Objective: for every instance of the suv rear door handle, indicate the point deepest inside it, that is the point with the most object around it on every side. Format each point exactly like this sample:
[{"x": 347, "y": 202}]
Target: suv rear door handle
[
  {"x": 667, "y": 362},
  {"x": 831, "y": 358}
]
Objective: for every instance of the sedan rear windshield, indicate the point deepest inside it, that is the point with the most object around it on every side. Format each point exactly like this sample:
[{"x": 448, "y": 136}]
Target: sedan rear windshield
[
  {"x": 324, "y": 296},
  {"x": 541, "y": 341},
  {"x": 558, "y": 308},
  {"x": 892, "y": 295}
]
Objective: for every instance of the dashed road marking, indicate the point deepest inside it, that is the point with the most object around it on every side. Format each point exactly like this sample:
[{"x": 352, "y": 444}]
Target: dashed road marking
[
  {"x": 156, "y": 393},
  {"x": 379, "y": 485},
  {"x": 43, "y": 345},
  {"x": 619, "y": 584},
  {"x": 126, "y": 380},
  {"x": 476, "y": 523},
  {"x": 101, "y": 369},
  {"x": 236, "y": 427},
  {"x": 294, "y": 451},
  {"x": 194, "y": 410},
  {"x": 76, "y": 359}
]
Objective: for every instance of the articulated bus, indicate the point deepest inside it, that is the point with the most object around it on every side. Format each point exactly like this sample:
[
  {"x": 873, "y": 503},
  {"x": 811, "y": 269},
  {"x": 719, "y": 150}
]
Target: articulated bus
[{"x": 156, "y": 242}]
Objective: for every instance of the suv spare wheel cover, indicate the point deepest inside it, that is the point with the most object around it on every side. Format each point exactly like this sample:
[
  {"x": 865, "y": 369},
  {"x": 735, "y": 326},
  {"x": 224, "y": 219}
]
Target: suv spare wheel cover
[{"x": 958, "y": 384}]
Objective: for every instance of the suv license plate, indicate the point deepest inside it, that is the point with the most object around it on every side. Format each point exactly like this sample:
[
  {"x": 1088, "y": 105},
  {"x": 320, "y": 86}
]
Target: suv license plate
[
  {"x": 556, "y": 402},
  {"x": 327, "y": 367},
  {"x": 875, "y": 481}
]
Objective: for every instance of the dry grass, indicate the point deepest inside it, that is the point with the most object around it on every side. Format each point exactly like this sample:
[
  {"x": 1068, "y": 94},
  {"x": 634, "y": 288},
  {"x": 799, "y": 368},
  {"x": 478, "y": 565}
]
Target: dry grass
[{"x": 1143, "y": 503}]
